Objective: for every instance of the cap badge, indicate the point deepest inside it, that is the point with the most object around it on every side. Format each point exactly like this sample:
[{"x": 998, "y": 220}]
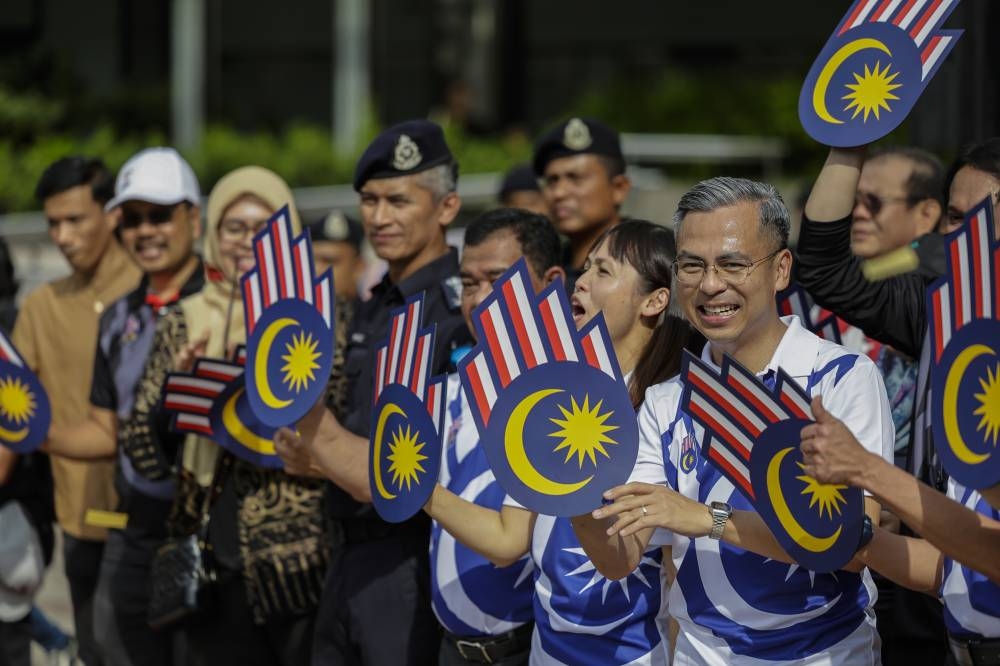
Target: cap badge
[
  {"x": 576, "y": 136},
  {"x": 335, "y": 226},
  {"x": 407, "y": 154}
]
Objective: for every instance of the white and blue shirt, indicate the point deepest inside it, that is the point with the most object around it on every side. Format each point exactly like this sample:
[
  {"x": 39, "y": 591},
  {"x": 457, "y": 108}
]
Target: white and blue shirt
[
  {"x": 971, "y": 600},
  {"x": 581, "y": 617},
  {"x": 470, "y": 595},
  {"x": 734, "y": 606}
]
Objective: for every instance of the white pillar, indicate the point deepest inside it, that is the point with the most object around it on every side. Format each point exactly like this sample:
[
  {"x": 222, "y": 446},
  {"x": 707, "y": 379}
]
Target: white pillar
[
  {"x": 350, "y": 73},
  {"x": 187, "y": 72}
]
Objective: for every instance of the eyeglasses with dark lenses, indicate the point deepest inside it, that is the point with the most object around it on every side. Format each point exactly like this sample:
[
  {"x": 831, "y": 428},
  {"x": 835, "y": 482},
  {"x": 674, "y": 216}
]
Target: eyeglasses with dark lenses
[
  {"x": 157, "y": 215},
  {"x": 875, "y": 203}
]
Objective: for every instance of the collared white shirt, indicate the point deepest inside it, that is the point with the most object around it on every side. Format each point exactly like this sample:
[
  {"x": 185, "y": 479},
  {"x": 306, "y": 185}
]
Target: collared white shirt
[{"x": 736, "y": 607}]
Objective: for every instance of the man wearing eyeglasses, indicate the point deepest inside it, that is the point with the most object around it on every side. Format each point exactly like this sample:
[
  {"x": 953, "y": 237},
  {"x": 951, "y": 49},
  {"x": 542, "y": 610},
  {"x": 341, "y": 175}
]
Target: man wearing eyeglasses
[
  {"x": 900, "y": 198},
  {"x": 157, "y": 207},
  {"x": 737, "y": 596}
]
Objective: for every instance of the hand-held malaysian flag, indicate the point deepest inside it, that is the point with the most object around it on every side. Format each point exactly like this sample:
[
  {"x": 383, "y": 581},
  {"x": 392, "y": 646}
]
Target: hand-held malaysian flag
[
  {"x": 796, "y": 301},
  {"x": 405, "y": 436},
  {"x": 211, "y": 401},
  {"x": 752, "y": 438},
  {"x": 289, "y": 319},
  {"x": 25, "y": 413},
  {"x": 550, "y": 402},
  {"x": 964, "y": 325},
  {"x": 873, "y": 69}
]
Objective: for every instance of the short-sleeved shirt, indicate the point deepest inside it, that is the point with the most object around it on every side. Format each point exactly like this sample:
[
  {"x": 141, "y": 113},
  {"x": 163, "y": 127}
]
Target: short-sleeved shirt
[
  {"x": 442, "y": 307},
  {"x": 737, "y": 607},
  {"x": 971, "y": 600},
  {"x": 125, "y": 338},
  {"x": 471, "y": 596},
  {"x": 581, "y": 617},
  {"x": 56, "y": 334}
]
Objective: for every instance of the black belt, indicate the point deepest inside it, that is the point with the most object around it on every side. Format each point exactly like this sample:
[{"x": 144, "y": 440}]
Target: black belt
[
  {"x": 490, "y": 649},
  {"x": 976, "y": 652}
]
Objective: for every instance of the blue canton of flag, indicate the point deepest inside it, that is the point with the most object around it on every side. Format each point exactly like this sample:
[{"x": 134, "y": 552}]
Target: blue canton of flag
[
  {"x": 549, "y": 402},
  {"x": 211, "y": 401},
  {"x": 25, "y": 413},
  {"x": 965, "y": 345},
  {"x": 873, "y": 69},
  {"x": 752, "y": 437},
  {"x": 289, "y": 317},
  {"x": 405, "y": 440}
]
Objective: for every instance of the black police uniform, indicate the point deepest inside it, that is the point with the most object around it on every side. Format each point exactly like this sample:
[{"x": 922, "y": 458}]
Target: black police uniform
[
  {"x": 122, "y": 595},
  {"x": 376, "y": 605},
  {"x": 576, "y": 136},
  {"x": 892, "y": 311}
]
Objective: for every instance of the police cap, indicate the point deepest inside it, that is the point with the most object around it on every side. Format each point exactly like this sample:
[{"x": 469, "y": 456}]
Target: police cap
[
  {"x": 402, "y": 150},
  {"x": 576, "y": 136}
]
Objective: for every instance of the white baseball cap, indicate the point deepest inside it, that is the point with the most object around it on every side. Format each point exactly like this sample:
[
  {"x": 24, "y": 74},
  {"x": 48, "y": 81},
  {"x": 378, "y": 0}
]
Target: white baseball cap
[
  {"x": 22, "y": 566},
  {"x": 156, "y": 175}
]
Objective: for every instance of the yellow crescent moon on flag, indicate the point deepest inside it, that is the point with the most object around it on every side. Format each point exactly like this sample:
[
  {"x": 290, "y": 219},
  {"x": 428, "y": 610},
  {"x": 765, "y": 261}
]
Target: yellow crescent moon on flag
[
  {"x": 831, "y": 67},
  {"x": 376, "y": 461},
  {"x": 13, "y": 436},
  {"x": 517, "y": 457},
  {"x": 952, "y": 382},
  {"x": 260, "y": 362},
  {"x": 235, "y": 427},
  {"x": 810, "y": 542}
]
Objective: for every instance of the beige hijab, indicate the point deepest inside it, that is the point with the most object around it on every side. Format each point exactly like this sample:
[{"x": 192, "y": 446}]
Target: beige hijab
[{"x": 218, "y": 307}]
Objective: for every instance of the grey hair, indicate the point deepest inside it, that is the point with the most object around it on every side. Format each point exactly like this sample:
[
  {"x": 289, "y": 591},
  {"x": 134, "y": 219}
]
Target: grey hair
[
  {"x": 715, "y": 193},
  {"x": 440, "y": 181}
]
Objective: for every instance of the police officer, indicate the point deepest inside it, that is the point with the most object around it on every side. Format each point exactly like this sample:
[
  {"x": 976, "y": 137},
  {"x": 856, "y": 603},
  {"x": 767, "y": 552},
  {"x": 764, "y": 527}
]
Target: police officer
[
  {"x": 336, "y": 244},
  {"x": 376, "y": 605},
  {"x": 582, "y": 172}
]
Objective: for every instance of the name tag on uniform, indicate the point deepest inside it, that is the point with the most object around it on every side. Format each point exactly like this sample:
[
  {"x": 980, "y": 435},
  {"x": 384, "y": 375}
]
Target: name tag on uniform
[{"x": 107, "y": 519}]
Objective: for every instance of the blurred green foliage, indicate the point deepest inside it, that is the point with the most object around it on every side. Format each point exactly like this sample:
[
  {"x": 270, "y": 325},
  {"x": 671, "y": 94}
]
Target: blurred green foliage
[
  {"x": 31, "y": 138},
  {"x": 36, "y": 129}
]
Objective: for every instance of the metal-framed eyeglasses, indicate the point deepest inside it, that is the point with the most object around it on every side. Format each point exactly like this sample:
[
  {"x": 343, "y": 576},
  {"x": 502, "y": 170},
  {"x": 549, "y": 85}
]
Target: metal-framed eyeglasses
[{"x": 734, "y": 272}]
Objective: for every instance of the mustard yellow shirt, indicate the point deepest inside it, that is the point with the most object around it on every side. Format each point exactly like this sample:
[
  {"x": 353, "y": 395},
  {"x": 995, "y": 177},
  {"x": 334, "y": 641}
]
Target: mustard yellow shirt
[{"x": 56, "y": 333}]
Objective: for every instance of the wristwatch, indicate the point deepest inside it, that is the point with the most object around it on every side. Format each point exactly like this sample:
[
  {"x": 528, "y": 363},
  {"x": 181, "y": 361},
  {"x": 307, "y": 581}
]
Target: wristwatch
[
  {"x": 720, "y": 516},
  {"x": 867, "y": 532}
]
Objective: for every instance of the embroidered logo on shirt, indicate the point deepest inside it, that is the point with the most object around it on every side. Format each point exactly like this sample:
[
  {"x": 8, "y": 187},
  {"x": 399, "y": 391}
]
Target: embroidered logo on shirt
[{"x": 689, "y": 454}]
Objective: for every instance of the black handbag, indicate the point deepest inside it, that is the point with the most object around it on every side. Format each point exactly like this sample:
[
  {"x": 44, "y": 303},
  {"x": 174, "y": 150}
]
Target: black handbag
[{"x": 182, "y": 569}]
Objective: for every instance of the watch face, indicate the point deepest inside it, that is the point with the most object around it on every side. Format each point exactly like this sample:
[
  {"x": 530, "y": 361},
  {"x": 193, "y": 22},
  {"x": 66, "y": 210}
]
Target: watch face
[{"x": 722, "y": 507}]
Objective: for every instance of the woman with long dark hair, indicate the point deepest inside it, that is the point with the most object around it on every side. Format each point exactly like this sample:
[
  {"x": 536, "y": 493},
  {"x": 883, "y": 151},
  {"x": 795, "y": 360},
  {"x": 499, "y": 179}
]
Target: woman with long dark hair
[{"x": 580, "y": 617}]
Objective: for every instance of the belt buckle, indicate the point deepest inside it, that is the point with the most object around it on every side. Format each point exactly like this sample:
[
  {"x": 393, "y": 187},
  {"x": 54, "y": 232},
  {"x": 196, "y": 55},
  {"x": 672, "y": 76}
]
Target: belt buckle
[{"x": 479, "y": 650}]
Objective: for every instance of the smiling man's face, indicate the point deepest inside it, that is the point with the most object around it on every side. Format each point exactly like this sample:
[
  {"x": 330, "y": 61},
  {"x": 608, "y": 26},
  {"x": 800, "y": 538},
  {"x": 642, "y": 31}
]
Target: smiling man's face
[{"x": 729, "y": 311}]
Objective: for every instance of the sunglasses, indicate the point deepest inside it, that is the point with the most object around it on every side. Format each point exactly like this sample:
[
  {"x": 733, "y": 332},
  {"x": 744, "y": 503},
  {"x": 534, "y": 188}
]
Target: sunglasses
[
  {"x": 875, "y": 203},
  {"x": 157, "y": 216}
]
